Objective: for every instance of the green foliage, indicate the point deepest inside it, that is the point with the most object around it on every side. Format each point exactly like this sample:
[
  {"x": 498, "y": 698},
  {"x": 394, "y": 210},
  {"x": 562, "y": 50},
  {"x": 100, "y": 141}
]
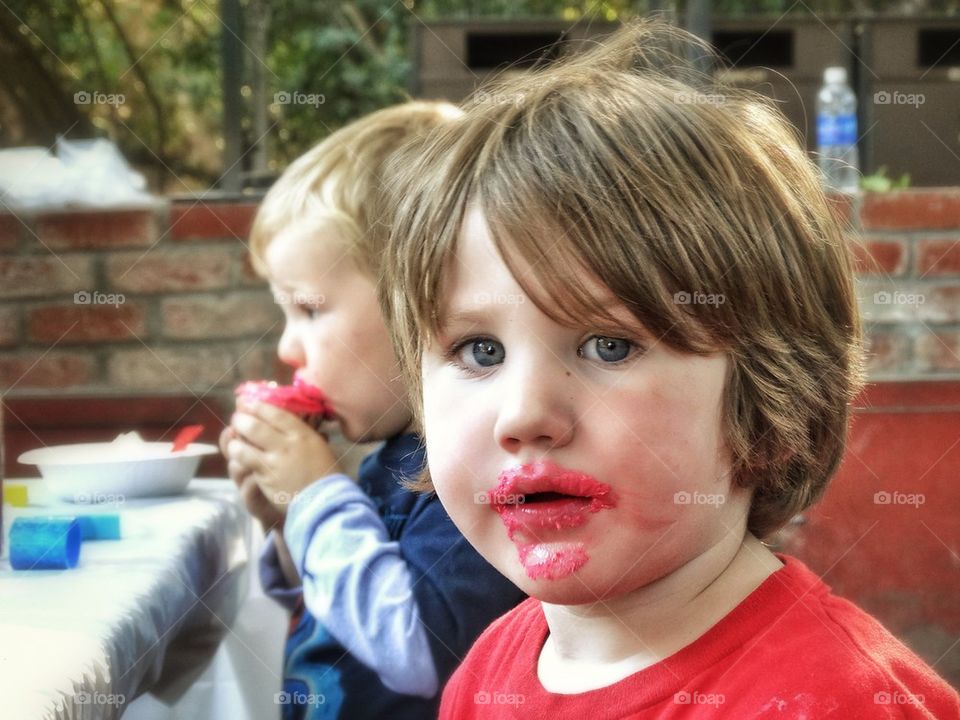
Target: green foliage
[
  {"x": 163, "y": 59},
  {"x": 357, "y": 62},
  {"x": 879, "y": 182}
]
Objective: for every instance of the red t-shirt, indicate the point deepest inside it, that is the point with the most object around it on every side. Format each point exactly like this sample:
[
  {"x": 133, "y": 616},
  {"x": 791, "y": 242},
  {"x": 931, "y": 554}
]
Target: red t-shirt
[{"x": 789, "y": 650}]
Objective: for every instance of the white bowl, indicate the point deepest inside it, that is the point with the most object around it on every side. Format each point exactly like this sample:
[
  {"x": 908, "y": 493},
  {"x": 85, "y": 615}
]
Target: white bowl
[{"x": 111, "y": 472}]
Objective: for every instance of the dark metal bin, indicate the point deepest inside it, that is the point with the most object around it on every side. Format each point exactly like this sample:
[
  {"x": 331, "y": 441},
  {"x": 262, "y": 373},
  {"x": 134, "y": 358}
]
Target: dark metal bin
[
  {"x": 911, "y": 103},
  {"x": 779, "y": 57}
]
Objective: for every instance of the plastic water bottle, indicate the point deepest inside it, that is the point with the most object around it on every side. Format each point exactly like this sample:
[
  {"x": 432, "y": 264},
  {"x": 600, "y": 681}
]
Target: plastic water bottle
[{"x": 837, "y": 132}]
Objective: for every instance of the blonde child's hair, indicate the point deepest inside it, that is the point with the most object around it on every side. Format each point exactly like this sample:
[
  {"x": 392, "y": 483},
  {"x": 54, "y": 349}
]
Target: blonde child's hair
[
  {"x": 627, "y": 163},
  {"x": 339, "y": 183}
]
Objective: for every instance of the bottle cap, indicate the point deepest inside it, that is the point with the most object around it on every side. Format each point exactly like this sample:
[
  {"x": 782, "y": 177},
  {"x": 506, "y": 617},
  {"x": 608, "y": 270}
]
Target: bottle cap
[
  {"x": 44, "y": 543},
  {"x": 835, "y": 76},
  {"x": 15, "y": 495}
]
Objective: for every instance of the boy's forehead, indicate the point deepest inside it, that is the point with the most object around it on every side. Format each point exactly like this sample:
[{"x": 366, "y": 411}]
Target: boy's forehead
[
  {"x": 476, "y": 248},
  {"x": 478, "y": 268},
  {"x": 474, "y": 240},
  {"x": 310, "y": 233}
]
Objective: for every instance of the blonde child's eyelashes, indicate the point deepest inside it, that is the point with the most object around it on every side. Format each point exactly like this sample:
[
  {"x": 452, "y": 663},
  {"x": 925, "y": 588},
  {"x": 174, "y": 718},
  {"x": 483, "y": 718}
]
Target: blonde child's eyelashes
[
  {"x": 310, "y": 312},
  {"x": 299, "y": 302}
]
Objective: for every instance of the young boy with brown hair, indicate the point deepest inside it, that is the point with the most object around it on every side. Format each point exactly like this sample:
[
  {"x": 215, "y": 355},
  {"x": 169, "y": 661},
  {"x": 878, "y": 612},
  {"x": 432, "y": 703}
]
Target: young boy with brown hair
[
  {"x": 628, "y": 317},
  {"x": 392, "y": 595}
]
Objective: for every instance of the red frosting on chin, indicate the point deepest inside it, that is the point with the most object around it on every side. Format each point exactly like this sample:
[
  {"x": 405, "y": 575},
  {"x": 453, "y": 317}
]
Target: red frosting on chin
[{"x": 301, "y": 398}]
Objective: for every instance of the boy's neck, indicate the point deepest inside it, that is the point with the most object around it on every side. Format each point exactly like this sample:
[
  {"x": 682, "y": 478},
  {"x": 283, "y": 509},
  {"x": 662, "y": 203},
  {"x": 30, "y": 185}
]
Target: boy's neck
[{"x": 634, "y": 631}]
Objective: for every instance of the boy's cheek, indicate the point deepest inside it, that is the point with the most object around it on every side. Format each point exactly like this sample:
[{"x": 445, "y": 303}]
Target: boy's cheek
[
  {"x": 455, "y": 459},
  {"x": 450, "y": 466},
  {"x": 455, "y": 422},
  {"x": 455, "y": 468}
]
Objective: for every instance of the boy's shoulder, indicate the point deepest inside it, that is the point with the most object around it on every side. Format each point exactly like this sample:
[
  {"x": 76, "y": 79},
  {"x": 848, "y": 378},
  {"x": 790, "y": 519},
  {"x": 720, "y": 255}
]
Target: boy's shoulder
[
  {"x": 816, "y": 654},
  {"x": 381, "y": 476},
  {"x": 523, "y": 625},
  {"x": 791, "y": 649},
  {"x": 501, "y": 660}
]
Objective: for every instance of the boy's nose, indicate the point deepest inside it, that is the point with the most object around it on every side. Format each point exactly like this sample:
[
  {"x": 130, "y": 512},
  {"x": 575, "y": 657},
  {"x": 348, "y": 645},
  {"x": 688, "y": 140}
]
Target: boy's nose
[
  {"x": 536, "y": 410},
  {"x": 290, "y": 349}
]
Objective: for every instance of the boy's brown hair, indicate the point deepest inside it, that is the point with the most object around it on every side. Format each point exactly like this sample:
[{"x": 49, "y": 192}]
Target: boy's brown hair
[
  {"x": 627, "y": 163},
  {"x": 340, "y": 182}
]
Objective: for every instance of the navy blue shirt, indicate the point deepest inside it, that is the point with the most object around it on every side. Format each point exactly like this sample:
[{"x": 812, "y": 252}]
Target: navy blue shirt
[{"x": 457, "y": 593}]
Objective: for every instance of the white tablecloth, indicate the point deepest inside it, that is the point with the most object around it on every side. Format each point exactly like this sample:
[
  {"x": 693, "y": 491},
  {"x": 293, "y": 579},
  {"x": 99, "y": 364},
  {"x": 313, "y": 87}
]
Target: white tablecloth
[{"x": 81, "y": 643}]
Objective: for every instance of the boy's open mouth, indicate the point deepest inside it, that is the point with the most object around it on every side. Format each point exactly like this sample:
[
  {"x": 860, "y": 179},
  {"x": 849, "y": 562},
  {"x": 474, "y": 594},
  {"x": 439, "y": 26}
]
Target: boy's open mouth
[
  {"x": 540, "y": 497},
  {"x": 545, "y": 495}
]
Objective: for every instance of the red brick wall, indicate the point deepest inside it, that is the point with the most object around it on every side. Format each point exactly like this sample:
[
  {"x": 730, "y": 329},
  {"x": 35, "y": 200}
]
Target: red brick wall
[
  {"x": 194, "y": 318},
  {"x": 910, "y": 282},
  {"x": 171, "y": 304}
]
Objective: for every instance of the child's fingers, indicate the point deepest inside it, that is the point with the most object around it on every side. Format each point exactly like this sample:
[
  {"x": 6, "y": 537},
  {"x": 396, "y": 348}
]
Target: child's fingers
[
  {"x": 237, "y": 472},
  {"x": 226, "y": 436},
  {"x": 257, "y": 503},
  {"x": 246, "y": 455},
  {"x": 281, "y": 420},
  {"x": 256, "y": 431},
  {"x": 251, "y": 494}
]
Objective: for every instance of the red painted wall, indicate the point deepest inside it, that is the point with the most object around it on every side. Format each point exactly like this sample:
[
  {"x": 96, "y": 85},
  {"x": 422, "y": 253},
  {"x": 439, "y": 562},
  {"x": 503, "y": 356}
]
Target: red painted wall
[{"x": 887, "y": 532}]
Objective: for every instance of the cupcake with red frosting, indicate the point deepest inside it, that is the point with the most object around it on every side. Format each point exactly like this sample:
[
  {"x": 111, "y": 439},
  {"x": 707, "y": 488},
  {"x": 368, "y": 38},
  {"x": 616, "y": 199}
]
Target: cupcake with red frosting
[{"x": 303, "y": 399}]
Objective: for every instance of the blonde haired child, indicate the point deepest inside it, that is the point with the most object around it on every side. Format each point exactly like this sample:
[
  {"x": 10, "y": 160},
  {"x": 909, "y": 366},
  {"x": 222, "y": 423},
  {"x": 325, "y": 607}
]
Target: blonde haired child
[{"x": 392, "y": 595}]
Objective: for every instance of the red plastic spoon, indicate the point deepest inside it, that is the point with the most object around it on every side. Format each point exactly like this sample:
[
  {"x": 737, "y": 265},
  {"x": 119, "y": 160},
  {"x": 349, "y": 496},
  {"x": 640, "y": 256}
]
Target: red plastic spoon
[{"x": 186, "y": 436}]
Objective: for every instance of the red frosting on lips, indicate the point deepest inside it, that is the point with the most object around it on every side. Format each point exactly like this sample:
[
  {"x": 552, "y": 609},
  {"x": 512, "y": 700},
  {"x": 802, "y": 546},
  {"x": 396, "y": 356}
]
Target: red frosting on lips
[
  {"x": 537, "y": 503},
  {"x": 301, "y": 398},
  {"x": 576, "y": 496}
]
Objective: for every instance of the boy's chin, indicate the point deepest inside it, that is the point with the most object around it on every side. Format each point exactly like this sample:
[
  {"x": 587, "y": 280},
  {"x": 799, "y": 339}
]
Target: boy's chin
[
  {"x": 567, "y": 591},
  {"x": 572, "y": 589}
]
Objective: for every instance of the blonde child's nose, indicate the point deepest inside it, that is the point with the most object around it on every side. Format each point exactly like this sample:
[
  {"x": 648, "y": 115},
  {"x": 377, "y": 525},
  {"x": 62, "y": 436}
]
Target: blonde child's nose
[{"x": 290, "y": 349}]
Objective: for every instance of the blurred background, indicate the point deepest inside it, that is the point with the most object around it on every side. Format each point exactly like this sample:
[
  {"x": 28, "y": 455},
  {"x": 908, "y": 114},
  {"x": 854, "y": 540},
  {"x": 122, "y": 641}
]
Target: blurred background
[
  {"x": 127, "y": 298},
  {"x": 224, "y": 94}
]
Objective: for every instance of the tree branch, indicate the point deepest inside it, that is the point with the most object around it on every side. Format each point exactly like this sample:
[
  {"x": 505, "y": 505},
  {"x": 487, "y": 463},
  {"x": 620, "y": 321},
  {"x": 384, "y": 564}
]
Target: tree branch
[
  {"x": 92, "y": 40},
  {"x": 148, "y": 88},
  {"x": 359, "y": 24},
  {"x": 39, "y": 94}
]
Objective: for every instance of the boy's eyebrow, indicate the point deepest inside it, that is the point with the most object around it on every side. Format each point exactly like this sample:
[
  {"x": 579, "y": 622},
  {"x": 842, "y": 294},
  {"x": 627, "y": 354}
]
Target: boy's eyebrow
[{"x": 477, "y": 315}]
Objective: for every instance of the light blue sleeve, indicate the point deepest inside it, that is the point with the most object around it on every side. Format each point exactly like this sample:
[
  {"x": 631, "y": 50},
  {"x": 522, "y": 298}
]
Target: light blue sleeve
[
  {"x": 272, "y": 579},
  {"x": 356, "y": 582}
]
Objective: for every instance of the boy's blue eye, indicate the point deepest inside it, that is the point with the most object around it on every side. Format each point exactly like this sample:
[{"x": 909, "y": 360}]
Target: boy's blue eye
[
  {"x": 487, "y": 352},
  {"x": 607, "y": 349},
  {"x": 475, "y": 354}
]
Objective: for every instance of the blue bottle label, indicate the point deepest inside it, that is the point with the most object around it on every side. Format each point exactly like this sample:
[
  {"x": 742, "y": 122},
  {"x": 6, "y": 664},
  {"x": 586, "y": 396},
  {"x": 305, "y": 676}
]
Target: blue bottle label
[{"x": 836, "y": 130}]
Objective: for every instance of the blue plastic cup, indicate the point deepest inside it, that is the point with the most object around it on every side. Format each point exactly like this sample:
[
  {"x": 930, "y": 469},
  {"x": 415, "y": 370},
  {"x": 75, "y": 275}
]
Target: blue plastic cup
[
  {"x": 44, "y": 543},
  {"x": 105, "y": 526}
]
